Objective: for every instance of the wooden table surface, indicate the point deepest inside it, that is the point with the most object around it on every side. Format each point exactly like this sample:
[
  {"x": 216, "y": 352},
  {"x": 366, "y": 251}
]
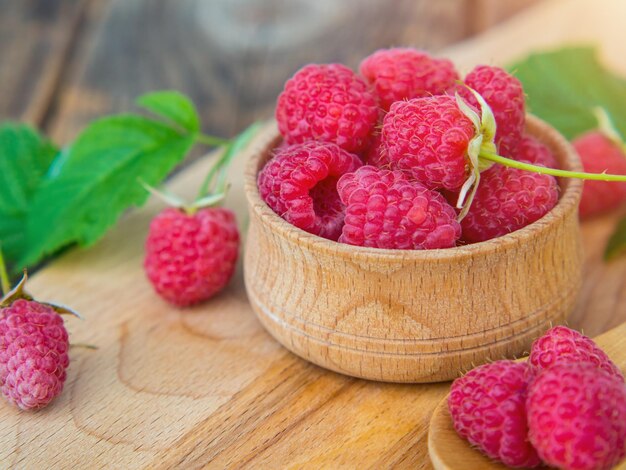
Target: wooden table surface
[{"x": 208, "y": 387}]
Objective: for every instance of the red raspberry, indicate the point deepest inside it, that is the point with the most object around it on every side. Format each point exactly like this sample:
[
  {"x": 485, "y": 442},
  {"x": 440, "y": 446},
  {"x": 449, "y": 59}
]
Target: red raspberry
[
  {"x": 598, "y": 153},
  {"x": 33, "y": 354},
  {"x": 190, "y": 258},
  {"x": 328, "y": 103},
  {"x": 386, "y": 210},
  {"x": 404, "y": 73},
  {"x": 577, "y": 417},
  {"x": 299, "y": 184},
  {"x": 508, "y": 199},
  {"x": 562, "y": 344},
  {"x": 428, "y": 137},
  {"x": 488, "y": 408},
  {"x": 505, "y": 96},
  {"x": 532, "y": 151}
]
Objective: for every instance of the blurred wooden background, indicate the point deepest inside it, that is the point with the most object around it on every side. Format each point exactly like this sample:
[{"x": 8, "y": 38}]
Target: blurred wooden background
[{"x": 64, "y": 62}]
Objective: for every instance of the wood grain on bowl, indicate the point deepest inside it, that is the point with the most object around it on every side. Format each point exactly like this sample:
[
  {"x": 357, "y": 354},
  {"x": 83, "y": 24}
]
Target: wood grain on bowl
[
  {"x": 407, "y": 315},
  {"x": 448, "y": 451}
]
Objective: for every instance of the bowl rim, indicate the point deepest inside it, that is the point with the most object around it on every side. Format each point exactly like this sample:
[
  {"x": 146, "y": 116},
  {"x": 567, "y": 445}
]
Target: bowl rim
[{"x": 571, "y": 190}]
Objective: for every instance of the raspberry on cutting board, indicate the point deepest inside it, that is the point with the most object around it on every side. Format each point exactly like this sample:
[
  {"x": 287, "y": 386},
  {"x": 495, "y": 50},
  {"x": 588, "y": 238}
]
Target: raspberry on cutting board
[
  {"x": 403, "y": 73},
  {"x": 191, "y": 257},
  {"x": 300, "y": 184},
  {"x": 600, "y": 154},
  {"x": 328, "y": 103},
  {"x": 384, "y": 209},
  {"x": 488, "y": 408},
  {"x": 34, "y": 357}
]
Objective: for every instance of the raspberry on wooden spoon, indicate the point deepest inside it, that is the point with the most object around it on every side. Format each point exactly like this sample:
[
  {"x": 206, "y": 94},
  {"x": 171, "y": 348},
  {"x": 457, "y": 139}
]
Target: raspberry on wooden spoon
[{"x": 488, "y": 408}]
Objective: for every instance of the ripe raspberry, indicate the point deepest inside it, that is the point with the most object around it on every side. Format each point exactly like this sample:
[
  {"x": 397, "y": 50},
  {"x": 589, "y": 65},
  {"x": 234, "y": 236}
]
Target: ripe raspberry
[
  {"x": 33, "y": 354},
  {"x": 488, "y": 408},
  {"x": 532, "y": 151},
  {"x": 577, "y": 417},
  {"x": 386, "y": 210},
  {"x": 327, "y": 103},
  {"x": 428, "y": 137},
  {"x": 190, "y": 258},
  {"x": 562, "y": 344},
  {"x": 300, "y": 185},
  {"x": 508, "y": 199},
  {"x": 598, "y": 153},
  {"x": 505, "y": 95},
  {"x": 404, "y": 73}
]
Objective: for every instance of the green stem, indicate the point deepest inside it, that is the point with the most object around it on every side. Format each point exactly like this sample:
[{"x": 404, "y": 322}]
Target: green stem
[
  {"x": 551, "y": 171},
  {"x": 210, "y": 140},
  {"x": 4, "y": 277},
  {"x": 204, "y": 188}
]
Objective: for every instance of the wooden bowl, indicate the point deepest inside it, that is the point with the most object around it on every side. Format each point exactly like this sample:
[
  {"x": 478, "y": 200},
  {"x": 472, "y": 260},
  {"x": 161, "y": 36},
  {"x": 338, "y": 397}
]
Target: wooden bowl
[{"x": 412, "y": 316}]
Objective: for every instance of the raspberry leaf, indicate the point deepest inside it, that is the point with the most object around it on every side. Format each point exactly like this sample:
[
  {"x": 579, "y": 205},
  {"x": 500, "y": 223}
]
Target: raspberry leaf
[
  {"x": 25, "y": 158},
  {"x": 97, "y": 181},
  {"x": 564, "y": 86},
  {"x": 174, "y": 107}
]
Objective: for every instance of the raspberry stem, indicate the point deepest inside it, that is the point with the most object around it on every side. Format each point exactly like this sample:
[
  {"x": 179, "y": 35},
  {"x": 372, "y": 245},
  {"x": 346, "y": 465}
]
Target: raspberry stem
[
  {"x": 215, "y": 180},
  {"x": 4, "y": 277},
  {"x": 211, "y": 141},
  {"x": 551, "y": 171}
]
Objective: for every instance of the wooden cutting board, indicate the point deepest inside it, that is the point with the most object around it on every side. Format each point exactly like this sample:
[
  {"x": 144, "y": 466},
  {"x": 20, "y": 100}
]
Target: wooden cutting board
[{"x": 207, "y": 386}]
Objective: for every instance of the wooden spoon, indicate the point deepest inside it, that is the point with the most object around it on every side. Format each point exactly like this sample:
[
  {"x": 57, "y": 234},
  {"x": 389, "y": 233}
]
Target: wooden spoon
[{"x": 448, "y": 451}]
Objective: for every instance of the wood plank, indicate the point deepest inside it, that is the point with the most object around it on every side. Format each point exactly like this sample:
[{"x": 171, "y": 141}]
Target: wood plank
[
  {"x": 232, "y": 57},
  {"x": 208, "y": 386},
  {"x": 36, "y": 37}
]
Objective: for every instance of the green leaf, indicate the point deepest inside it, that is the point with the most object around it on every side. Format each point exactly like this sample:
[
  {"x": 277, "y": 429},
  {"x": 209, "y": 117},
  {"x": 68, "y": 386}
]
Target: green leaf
[
  {"x": 98, "y": 179},
  {"x": 617, "y": 243},
  {"x": 563, "y": 86},
  {"x": 172, "y": 106},
  {"x": 25, "y": 157}
]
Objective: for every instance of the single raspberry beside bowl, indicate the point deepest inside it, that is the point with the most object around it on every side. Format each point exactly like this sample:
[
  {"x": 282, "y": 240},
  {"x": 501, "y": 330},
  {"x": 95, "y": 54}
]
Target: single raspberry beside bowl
[
  {"x": 506, "y": 200},
  {"x": 599, "y": 154},
  {"x": 300, "y": 185},
  {"x": 531, "y": 150},
  {"x": 328, "y": 103},
  {"x": 384, "y": 209},
  {"x": 505, "y": 96},
  {"x": 33, "y": 353},
  {"x": 428, "y": 137},
  {"x": 562, "y": 344},
  {"x": 191, "y": 257},
  {"x": 488, "y": 408},
  {"x": 403, "y": 73},
  {"x": 577, "y": 417}
]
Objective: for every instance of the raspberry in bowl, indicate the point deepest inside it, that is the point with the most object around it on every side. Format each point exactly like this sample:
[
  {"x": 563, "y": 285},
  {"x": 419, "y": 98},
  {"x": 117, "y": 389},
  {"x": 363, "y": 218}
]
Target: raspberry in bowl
[
  {"x": 412, "y": 315},
  {"x": 362, "y": 267}
]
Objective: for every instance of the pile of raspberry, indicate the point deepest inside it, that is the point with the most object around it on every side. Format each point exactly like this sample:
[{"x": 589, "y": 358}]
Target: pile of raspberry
[
  {"x": 565, "y": 407},
  {"x": 378, "y": 158}
]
